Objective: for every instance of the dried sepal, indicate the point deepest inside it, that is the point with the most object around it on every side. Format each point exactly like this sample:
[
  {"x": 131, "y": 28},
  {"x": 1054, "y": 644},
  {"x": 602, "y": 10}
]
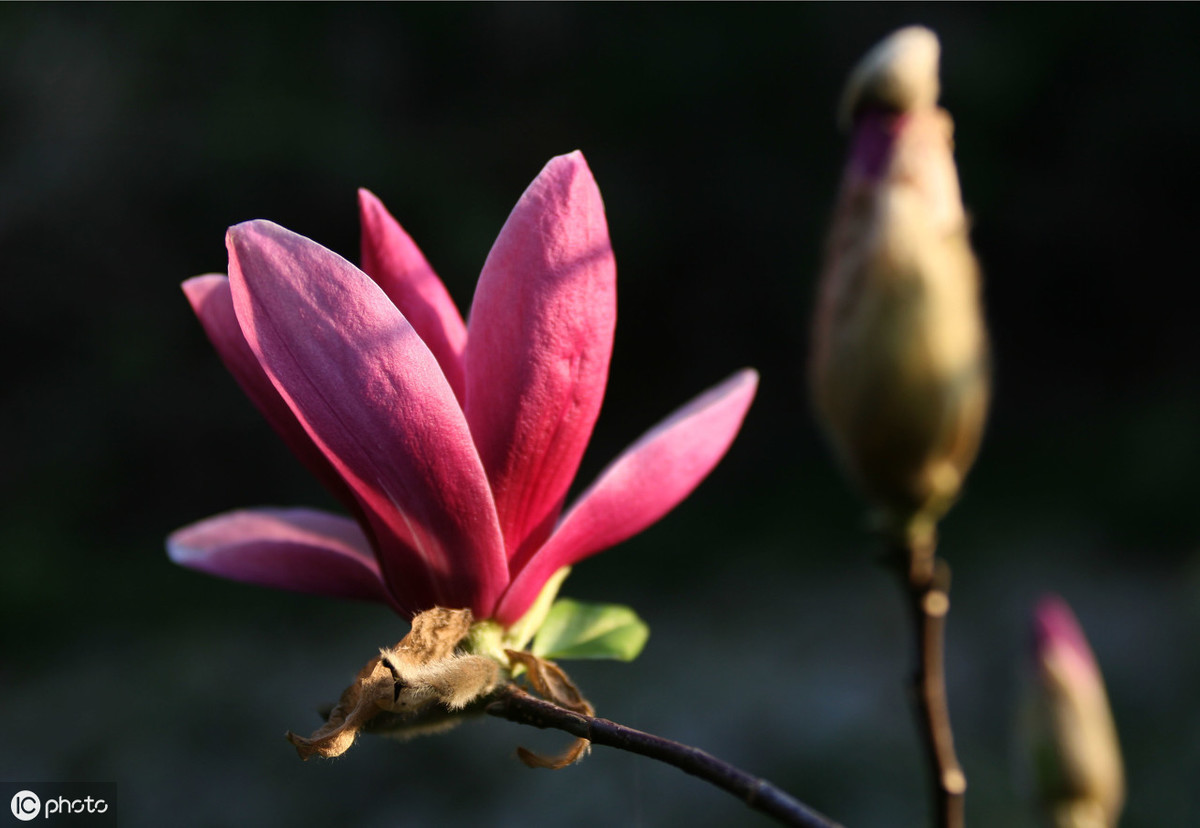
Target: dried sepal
[
  {"x": 430, "y": 720},
  {"x": 553, "y": 684},
  {"x": 408, "y": 679},
  {"x": 360, "y": 702},
  {"x": 576, "y": 751},
  {"x": 454, "y": 680},
  {"x": 434, "y": 635}
]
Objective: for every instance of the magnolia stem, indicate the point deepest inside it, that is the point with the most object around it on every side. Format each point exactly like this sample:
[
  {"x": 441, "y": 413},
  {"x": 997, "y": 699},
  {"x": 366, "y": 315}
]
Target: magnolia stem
[
  {"x": 514, "y": 704},
  {"x": 927, "y": 583}
]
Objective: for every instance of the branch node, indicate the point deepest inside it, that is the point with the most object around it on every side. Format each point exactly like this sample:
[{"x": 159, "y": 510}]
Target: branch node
[
  {"x": 935, "y": 603},
  {"x": 954, "y": 781}
]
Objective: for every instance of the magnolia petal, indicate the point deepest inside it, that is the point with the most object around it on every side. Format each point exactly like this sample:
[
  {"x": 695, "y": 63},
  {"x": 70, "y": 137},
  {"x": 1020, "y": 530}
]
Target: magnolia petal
[
  {"x": 213, "y": 303},
  {"x": 648, "y": 480},
  {"x": 540, "y": 339},
  {"x": 302, "y": 550},
  {"x": 374, "y": 400},
  {"x": 393, "y": 260}
]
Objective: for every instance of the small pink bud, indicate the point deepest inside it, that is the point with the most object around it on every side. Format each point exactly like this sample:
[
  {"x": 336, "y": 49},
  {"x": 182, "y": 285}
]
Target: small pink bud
[{"x": 1079, "y": 770}]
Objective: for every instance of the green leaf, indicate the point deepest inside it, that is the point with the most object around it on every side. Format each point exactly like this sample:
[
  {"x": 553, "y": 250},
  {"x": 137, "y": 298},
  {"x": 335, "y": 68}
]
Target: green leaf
[{"x": 573, "y": 629}]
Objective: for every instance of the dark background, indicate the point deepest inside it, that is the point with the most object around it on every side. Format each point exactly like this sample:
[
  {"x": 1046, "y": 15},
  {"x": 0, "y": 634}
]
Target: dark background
[{"x": 132, "y": 135}]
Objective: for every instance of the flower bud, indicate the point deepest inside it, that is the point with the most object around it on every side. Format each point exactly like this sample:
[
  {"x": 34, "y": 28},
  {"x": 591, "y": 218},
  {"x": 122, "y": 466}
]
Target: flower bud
[
  {"x": 899, "y": 365},
  {"x": 900, "y": 72},
  {"x": 1078, "y": 761}
]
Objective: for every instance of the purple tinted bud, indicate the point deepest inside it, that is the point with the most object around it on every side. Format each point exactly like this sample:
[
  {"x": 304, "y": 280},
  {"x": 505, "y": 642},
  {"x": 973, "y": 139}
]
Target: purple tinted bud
[{"x": 1079, "y": 769}]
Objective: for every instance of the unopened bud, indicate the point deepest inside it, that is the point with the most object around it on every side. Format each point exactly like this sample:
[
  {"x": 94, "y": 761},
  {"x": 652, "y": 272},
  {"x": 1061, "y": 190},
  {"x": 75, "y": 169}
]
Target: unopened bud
[
  {"x": 900, "y": 73},
  {"x": 1078, "y": 761},
  {"x": 899, "y": 367}
]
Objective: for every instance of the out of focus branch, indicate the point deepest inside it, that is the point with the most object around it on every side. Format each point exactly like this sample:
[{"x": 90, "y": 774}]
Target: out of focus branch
[{"x": 927, "y": 585}]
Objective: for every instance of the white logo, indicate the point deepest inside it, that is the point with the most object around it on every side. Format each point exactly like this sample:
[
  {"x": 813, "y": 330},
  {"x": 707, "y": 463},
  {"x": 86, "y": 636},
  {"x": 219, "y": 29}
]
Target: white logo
[{"x": 26, "y": 805}]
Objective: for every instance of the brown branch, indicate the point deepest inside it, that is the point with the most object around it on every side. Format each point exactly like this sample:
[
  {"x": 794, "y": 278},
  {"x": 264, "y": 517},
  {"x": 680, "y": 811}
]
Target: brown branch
[
  {"x": 514, "y": 704},
  {"x": 927, "y": 584}
]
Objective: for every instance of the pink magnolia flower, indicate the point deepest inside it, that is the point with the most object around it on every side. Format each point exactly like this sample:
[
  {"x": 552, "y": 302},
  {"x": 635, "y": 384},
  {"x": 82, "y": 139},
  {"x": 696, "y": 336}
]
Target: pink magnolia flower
[{"x": 451, "y": 445}]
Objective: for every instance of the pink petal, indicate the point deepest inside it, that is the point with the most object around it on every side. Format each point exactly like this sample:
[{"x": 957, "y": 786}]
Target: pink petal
[
  {"x": 213, "y": 303},
  {"x": 540, "y": 338},
  {"x": 297, "y": 549},
  {"x": 374, "y": 400},
  {"x": 390, "y": 257},
  {"x": 648, "y": 480}
]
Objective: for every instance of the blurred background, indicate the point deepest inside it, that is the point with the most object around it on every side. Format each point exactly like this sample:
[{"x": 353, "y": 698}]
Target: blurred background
[{"x": 131, "y": 136}]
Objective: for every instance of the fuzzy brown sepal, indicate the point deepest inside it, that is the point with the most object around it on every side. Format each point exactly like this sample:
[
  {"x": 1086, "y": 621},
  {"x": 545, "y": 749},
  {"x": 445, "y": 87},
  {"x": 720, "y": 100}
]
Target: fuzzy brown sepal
[{"x": 420, "y": 672}]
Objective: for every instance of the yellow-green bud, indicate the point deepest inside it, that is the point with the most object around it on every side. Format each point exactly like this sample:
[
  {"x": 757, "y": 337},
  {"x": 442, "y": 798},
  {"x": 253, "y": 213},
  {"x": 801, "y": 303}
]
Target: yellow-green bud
[{"x": 899, "y": 364}]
